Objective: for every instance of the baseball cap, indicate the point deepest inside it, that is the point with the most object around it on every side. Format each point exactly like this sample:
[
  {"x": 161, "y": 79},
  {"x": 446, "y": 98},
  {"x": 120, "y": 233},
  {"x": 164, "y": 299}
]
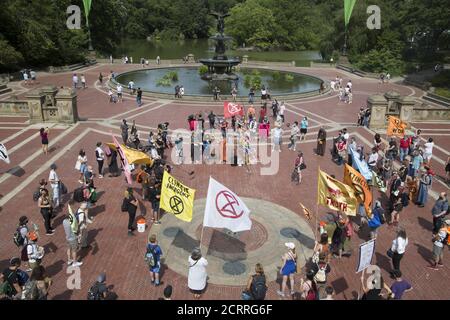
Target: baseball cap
[{"x": 290, "y": 245}]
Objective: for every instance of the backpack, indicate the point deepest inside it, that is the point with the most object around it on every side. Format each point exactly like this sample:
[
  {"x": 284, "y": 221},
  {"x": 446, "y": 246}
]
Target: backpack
[
  {"x": 94, "y": 196},
  {"x": 30, "y": 291},
  {"x": 321, "y": 275},
  {"x": 312, "y": 294},
  {"x": 22, "y": 277},
  {"x": 94, "y": 293},
  {"x": 36, "y": 195},
  {"x": 78, "y": 195},
  {"x": 124, "y": 207},
  {"x": 258, "y": 287},
  {"x": 150, "y": 257},
  {"x": 18, "y": 239}
]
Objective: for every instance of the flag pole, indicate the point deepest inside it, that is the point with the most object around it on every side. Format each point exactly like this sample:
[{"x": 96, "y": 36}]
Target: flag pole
[
  {"x": 317, "y": 205},
  {"x": 201, "y": 238}
]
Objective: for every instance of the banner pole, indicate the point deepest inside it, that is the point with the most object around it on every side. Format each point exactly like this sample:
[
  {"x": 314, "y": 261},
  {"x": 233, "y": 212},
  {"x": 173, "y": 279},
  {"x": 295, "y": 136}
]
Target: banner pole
[{"x": 201, "y": 238}]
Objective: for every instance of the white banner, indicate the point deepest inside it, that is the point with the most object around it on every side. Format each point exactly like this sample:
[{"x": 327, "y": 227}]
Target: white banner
[
  {"x": 4, "y": 153},
  {"x": 224, "y": 209},
  {"x": 366, "y": 251}
]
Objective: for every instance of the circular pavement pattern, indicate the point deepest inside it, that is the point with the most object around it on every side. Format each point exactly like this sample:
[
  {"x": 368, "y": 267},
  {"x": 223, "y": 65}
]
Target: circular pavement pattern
[{"x": 232, "y": 256}]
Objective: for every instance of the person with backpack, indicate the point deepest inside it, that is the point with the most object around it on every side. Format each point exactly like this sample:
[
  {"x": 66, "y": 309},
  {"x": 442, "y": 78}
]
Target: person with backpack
[
  {"x": 197, "y": 276},
  {"x": 72, "y": 242},
  {"x": 83, "y": 221},
  {"x": 5, "y": 289},
  {"x": 439, "y": 211},
  {"x": 308, "y": 287},
  {"x": 45, "y": 206},
  {"x": 11, "y": 275},
  {"x": 37, "y": 287},
  {"x": 99, "y": 290},
  {"x": 256, "y": 288},
  {"x": 34, "y": 251},
  {"x": 376, "y": 220},
  {"x": 100, "y": 156},
  {"x": 321, "y": 247},
  {"x": 288, "y": 269},
  {"x": 130, "y": 204},
  {"x": 398, "y": 249},
  {"x": 439, "y": 241},
  {"x": 153, "y": 259},
  {"x": 154, "y": 197},
  {"x": 20, "y": 239},
  {"x": 321, "y": 269}
]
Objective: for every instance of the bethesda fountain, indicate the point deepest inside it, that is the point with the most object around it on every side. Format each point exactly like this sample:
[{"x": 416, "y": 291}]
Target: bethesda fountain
[{"x": 220, "y": 68}]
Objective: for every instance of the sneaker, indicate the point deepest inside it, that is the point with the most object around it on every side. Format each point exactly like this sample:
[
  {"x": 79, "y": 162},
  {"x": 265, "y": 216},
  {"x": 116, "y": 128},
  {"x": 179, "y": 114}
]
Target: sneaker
[
  {"x": 158, "y": 222},
  {"x": 130, "y": 233},
  {"x": 433, "y": 267},
  {"x": 77, "y": 264},
  {"x": 100, "y": 176},
  {"x": 440, "y": 265},
  {"x": 50, "y": 233},
  {"x": 281, "y": 294}
]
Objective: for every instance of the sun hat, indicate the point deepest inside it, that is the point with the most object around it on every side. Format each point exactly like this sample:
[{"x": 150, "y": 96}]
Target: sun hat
[{"x": 290, "y": 245}]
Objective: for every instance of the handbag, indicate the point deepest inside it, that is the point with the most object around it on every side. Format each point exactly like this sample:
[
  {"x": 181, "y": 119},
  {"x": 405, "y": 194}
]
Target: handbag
[
  {"x": 78, "y": 165},
  {"x": 63, "y": 188},
  {"x": 302, "y": 166},
  {"x": 390, "y": 253}
]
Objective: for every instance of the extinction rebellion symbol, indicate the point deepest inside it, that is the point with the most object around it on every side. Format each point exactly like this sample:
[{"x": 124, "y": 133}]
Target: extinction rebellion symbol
[
  {"x": 229, "y": 206},
  {"x": 176, "y": 204}
]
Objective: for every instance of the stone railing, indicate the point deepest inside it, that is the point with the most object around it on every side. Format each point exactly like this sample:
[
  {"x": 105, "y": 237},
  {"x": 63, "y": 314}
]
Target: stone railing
[{"x": 14, "y": 107}]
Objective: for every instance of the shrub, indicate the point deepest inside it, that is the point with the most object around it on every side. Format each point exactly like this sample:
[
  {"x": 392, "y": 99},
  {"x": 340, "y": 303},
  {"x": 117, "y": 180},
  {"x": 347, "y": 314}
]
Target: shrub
[
  {"x": 203, "y": 70},
  {"x": 442, "y": 80},
  {"x": 288, "y": 77}
]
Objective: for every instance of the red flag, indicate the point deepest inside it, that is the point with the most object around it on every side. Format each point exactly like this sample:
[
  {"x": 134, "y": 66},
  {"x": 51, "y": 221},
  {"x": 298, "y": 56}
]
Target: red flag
[
  {"x": 124, "y": 161},
  {"x": 232, "y": 109}
]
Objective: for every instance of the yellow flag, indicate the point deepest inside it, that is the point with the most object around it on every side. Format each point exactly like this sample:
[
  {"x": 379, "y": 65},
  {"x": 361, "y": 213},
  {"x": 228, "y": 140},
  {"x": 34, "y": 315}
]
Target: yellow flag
[
  {"x": 336, "y": 195},
  {"x": 133, "y": 156},
  {"x": 358, "y": 182},
  {"x": 396, "y": 127},
  {"x": 176, "y": 198}
]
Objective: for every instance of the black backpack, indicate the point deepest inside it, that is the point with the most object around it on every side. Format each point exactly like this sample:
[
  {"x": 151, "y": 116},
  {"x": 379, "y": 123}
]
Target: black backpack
[
  {"x": 36, "y": 195},
  {"x": 405, "y": 199},
  {"x": 18, "y": 239},
  {"x": 78, "y": 195},
  {"x": 94, "y": 293},
  {"x": 258, "y": 287},
  {"x": 124, "y": 206}
]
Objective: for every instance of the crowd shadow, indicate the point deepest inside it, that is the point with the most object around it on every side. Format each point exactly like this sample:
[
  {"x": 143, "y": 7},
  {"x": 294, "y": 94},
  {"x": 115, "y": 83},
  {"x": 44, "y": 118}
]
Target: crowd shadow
[
  {"x": 424, "y": 252},
  {"x": 97, "y": 210},
  {"x": 55, "y": 268},
  {"x": 63, "y": 296},
  {"x": 427, "y": 225},
  {"x": 383, "y": 262}
]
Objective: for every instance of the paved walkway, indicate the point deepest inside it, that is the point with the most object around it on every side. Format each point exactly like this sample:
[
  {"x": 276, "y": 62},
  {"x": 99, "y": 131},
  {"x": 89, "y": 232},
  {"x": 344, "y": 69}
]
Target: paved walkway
[{"x": 122, "y": 256}]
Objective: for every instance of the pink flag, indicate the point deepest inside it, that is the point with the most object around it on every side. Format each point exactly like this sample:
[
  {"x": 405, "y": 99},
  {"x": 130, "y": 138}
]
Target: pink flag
[{"x": 123, "y": 161}]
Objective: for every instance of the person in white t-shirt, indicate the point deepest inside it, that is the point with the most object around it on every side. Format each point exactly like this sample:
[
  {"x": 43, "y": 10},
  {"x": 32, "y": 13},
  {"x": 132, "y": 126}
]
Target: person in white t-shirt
[
  {"x": 131, "y": 87},
  {"x": 428, "y": 153},
  {"x": 373, "y": 159},
  {"x": 277, "y": 138},
  {"x": 181, "y": 92},
  {"x": 75, "y": 80},
  {"x": 54, "y": 183},
  {"x": 281, "y": 111},
  {"x": 119, "y": 92},
  {"x": 350, "y": 84},
  {"x": 83, "y": 81},
  {"x": 100, "y": 156},
  {"x": 332, "y": 86},
  {"x": 25, "y": 76}
]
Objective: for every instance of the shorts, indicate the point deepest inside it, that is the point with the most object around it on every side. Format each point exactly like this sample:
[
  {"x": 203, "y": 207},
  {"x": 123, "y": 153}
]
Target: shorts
[
  {"x": 73, "y": 244},
  {"x": 304, "y": 131},
  {"x": 155, "y": 206},
  {"x": 437, "y": 251},
  {"x": 156, "y": 269},
  {"x": 119, "y": 94},
  {"x": 197, "y": 291}
]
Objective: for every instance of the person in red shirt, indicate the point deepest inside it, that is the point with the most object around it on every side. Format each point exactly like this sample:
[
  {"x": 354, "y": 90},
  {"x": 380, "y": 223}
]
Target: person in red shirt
[
  {"x": 405, "y": 142},
  {"x": 262, "y": 113}
]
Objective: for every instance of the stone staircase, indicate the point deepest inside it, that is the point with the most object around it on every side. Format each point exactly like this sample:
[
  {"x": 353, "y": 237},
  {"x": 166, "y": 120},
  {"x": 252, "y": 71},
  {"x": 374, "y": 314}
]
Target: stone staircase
[
  {"x": 4, "y": 89},
  {"x": 439, "y": 100}
]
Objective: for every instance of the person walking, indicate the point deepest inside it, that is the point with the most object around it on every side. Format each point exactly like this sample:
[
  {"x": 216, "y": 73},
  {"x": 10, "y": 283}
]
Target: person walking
[
  {"x": 119, "y": 92},
  {"x": 281, "y": 111},
  {"x": 439, "y": 241},
  {"x": 256, "y": 288},
  {"x": 83, "y": 81},
  {"x": 303, "y": 128},
  {"x": 439, "y": 211},
  {"x": 212, "y": 119},
  {"x": 139, "y": 97},
  {"x": 154, "y": 254},
  {"x": 321, "y": 142},
  {"x": 447, "y": 170},
  {"x": 55, "y": 184},
  {"x": 100, "y": 156},
  {"x": 294, "y": 136},
  {"x": 398, "y": 249},
  {"x": 75, "y": 81},
  {"x": 399, "y": 287},
  {"x": 72, "y": 242},
  {"x": 428, "y": 153},
  {"x": 277, "y": 138},
  {"x": 197, "y": 276},
  {"x": 130, "y": 203},
  {"x": 288, "y": 269},
  {"x": 124, "y": 129},
  {"x": 44, "y": 139},
  {"x": 376, "y": 220},
  {"x": 46, "y": 209},
  {"x": 100, "y": 78},
  {"x": 425, "y": 182}
]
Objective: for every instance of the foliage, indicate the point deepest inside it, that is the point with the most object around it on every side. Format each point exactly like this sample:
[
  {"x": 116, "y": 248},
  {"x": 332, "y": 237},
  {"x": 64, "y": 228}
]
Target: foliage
[
  {"x": 379, "y": 61},
  {"x": 164, "y": 82},
  {"x": 288, "y": 77},
  {"x": 442, "y": 79},
  {"x": 169, "y": 77},
  {"x": 276, "y": 75},
  {"x": 253, "y": 81},
  {"x": 443, "y": 92},
  {"x": 203, "y": 70}
]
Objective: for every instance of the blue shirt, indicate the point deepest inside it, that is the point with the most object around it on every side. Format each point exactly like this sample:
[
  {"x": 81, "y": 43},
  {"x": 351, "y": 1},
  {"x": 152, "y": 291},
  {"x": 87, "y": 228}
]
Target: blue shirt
[
  {"x": 156, "y": 249},
  {"x": 417, "y": 161},
  {"x": 304, "y": 124},
  {"x": 399, "y": 287}
]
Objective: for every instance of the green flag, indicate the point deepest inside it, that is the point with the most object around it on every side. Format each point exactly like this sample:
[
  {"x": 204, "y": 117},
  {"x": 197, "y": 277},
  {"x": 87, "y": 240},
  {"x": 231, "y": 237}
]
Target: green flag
[
  {"x": 348, "y": 9},
  {"x": 87, "y": 8}
]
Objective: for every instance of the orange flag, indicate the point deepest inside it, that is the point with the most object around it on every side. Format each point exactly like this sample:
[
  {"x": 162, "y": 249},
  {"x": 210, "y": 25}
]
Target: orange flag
[
  {"x": 396, "y": 127},
  {"x": 362, "y": 191}
]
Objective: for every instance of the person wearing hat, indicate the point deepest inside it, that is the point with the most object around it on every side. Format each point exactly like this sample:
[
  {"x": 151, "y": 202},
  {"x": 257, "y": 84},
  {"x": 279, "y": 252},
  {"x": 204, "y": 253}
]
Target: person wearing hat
[
  {"x": 425, "y": 181},
  {"x": 197, "y": 276},
  {"x": 439, "y": 211},
  {"x": 98, "y": 291},
  {"x": 11, "y": 276},
  {"x": 35, "y": 252},
  {"x": 54, "y": 183},
  {"x": 288, "y": 269},
  {"x": 439, "y": 240}
]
